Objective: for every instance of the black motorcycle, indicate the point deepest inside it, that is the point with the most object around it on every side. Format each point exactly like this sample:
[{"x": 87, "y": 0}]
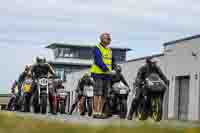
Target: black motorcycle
[
  {"x": 61, "y": 100},
  {"x": 88, "y": 94},
  {"x": 12, "y": 103},
  {"x": 119, "y": 99},
  {"x": 150, "y": 104},
  {"x": 40, "y": 103}
]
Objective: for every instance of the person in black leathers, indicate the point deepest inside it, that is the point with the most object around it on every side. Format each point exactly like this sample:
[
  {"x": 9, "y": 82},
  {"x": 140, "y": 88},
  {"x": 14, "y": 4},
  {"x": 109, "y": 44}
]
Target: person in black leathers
[
  {"x": 149, "y": 68},
  {"x": 20, "y": 82},
  {"x": 12, "y": 101},
  {"x": 85, "y": 80},
  {"x": 119, "y": 76},
  {"x": 116, "y": 78},
  {"x": 23, "y": 76},
  {"x": 39, "y": 69}
]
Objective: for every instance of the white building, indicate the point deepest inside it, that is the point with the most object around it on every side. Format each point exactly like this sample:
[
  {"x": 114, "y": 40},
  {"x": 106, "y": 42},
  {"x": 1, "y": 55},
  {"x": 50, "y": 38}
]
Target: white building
[{"x": 180, "y": 61}]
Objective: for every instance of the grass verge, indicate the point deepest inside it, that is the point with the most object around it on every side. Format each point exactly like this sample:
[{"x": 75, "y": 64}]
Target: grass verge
[{"x": 10, "y": 123}]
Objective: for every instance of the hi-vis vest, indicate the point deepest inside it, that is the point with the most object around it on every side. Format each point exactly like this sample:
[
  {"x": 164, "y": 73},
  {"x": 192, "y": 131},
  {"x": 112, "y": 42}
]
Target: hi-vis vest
[{"x": 107, "y": 59}]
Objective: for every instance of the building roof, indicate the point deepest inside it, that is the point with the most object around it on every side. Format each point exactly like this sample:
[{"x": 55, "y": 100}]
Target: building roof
[
  {"x": 143, "y": 58},
  {"x": 181, "y": 40},
  {"x": 71, "y": 61},
  {"x": 5, "y": 95},
  {"x": 66, "y": 45},
  {"x": 68, "y": 64}
]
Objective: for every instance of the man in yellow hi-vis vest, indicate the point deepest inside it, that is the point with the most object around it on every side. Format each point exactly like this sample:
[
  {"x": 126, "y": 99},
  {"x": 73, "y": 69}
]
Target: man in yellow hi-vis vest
[{"x": 100, "y": 71}]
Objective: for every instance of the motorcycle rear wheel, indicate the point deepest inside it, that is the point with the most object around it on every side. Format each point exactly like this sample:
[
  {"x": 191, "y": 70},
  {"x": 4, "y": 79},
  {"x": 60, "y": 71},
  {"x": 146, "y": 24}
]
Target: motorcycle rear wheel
[{"x": 141, "y": 112}]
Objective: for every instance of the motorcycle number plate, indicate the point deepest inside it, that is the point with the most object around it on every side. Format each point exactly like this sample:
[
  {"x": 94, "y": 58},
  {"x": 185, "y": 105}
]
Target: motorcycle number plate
[
  {"x": 122, "y": 92},
  {"x": 43, "y": 82},
  {"x": 88, "y": 90}
]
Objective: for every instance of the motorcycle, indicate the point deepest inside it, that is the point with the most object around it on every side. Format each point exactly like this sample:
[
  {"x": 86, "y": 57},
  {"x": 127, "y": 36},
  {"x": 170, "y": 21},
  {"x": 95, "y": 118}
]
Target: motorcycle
[
  {"x": 151, "y": 103},
  {"x": 119, "y": 99},
  {"x": 61, "y": 100},
  {"x": 52, "y": 96},
  {"x": 26, "y": 95},
  {"x": 42, "y": 95},
  {"x": 12, "y": 103},
  {"x": 88, "y": 93}
]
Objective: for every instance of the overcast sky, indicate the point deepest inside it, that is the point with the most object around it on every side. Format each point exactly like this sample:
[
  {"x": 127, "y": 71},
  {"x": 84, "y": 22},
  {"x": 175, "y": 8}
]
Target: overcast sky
[{"x": 143, "y": 25}]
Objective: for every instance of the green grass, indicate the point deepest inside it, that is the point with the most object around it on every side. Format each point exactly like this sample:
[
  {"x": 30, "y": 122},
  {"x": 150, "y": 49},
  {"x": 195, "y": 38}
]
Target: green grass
[{"x": 9, "y": 123}]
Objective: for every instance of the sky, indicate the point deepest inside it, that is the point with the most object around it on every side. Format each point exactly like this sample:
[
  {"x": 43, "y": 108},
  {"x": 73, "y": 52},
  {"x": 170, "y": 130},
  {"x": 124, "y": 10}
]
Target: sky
[{"x": 27, "y": 26}]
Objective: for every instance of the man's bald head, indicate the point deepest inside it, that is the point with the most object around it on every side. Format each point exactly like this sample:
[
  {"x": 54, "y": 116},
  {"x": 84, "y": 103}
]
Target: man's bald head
[{"x": 105, "y": 39}]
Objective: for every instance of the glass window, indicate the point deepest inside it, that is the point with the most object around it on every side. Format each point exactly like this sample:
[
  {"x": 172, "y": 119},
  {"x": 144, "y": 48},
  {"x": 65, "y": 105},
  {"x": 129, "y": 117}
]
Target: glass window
[
  {"x": 60, "y": 52},
  {"x": 60, "y": 73},
  {"x": 67, "y": 52}
]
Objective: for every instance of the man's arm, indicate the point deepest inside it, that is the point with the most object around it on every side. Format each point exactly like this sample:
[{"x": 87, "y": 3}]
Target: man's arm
[
  {"x": 162, "y": 75},
  {"x": 78, "y": 86},
  {"x": 21, "y": 77},
  {"x": 113, "y": 63},
  {"x": 140, "y": 76},
  {"x": 123, "y": 80},
  {"x": 51, "y": 70},
  {"x": 98, "y": 60}
]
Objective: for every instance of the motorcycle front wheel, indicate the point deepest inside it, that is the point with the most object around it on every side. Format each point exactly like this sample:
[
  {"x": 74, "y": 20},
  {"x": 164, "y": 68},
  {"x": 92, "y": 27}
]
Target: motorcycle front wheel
[
  {"x": 43, "y": 104},
  {"x": 157, "y": 109},
  {"x": 62, "y": 107}
]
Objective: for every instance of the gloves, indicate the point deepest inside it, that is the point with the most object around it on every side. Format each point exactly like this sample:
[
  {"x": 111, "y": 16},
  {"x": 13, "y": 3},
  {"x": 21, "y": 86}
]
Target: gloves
[{"x": 112, "y": 72}]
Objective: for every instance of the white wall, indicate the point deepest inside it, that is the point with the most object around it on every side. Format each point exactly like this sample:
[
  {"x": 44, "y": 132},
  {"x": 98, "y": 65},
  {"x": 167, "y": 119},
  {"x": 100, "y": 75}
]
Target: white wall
[{"x": 179, "y": 62}]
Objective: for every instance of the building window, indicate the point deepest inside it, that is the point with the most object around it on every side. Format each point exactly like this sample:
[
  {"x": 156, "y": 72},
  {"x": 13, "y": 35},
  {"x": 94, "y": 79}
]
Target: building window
[{"x": 60, "y": 74}]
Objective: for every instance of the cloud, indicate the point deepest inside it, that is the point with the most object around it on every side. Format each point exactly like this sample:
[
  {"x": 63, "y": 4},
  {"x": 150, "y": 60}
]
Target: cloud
[{"x": 27, "y": 26}]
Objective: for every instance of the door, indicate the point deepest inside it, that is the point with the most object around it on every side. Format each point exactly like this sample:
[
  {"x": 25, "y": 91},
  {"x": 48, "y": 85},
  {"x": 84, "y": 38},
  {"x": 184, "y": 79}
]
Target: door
[{"x": 184, "y": 83}]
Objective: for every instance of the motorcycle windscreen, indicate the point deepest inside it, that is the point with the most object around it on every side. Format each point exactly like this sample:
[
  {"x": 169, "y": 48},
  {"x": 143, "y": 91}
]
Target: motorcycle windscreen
[
  {"x": 88, "y": 91},
  {"x": 155, "y": 84},
  {"x": 120, "y": 88}
]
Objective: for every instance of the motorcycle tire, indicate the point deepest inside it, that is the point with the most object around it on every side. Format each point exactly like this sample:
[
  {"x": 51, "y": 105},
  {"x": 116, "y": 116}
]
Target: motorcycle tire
[
  {"x": 141, "y": 110},
  {"x": 123, "y": 109},
  {"x": 27, "y": 103},
  {"x": 157, "y": 109},
  {"x": 62, "y": 107},
  {"x": 43, "y": 104},
  {"x": 55, "y": 106}
]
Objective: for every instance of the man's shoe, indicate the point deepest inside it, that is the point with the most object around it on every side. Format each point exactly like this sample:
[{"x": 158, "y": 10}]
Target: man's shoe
[
  {"x": 82, "y": 113},
  {"x": 103, "y": 116},
  {"x": 96, "y": 116},
  {"x": 129, "y": 118}
]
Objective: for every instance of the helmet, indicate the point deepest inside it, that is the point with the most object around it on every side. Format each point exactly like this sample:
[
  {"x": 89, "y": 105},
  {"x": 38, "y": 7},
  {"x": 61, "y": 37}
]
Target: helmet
[
  {"x": 149, "y": 60},
  {"x": 86, "y": 75},
  {"x": 60, "y": 82},
  {"x": 118, "y": 68},
  {"x": 40, "y": 59}
]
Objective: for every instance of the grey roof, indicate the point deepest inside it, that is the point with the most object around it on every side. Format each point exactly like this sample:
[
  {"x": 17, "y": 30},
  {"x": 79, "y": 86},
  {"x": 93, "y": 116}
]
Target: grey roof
[
  {"x": 68, "y": 64},
  {"x": 143, "y": 58},
  {"x": 5, "y": 95},
  {"x": 54, "y": 45},
  {"x": 181, "y": 40}
]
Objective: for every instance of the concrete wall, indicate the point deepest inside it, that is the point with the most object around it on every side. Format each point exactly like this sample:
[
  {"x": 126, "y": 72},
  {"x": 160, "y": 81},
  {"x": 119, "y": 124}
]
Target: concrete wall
[{"x": 180, "y": 62}]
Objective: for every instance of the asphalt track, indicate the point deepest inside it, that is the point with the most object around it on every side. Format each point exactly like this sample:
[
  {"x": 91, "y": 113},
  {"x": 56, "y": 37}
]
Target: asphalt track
[{"x": 75, "y": 118}]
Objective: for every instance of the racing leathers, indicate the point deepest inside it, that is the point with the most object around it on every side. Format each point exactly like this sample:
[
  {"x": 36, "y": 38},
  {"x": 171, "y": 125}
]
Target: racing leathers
[
  {"x": 142, "y": 74},
  {"x": 37, "y": 71},
  {"x": 85, "y": 80}
]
